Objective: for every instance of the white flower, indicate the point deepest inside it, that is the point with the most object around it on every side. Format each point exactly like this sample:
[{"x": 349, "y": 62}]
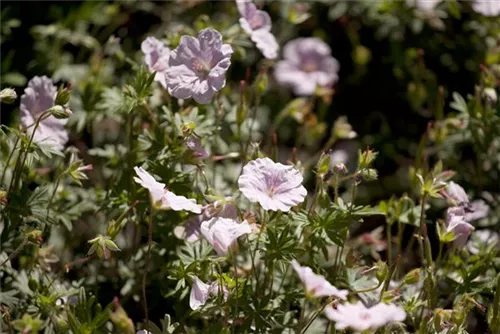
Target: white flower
[
  {"x": 39, "y": 96},
  {"x": 487, "y": 7},
  {"x": 221, "y": 233},
  {"x": 143, "y": 331},
  {"x": 257, "y": 24},
  {"x": 456, "y": 192},
  {"x": 273, "y": 185},
  {"x": 317, "y": 285},
  {"x": 201, "y": 292},
  {"x": 190, "y": 231},
  {"x": 162, "y": 198},
  {"x": 156, "y": 55},
  {"x": 360, "y": 318}
]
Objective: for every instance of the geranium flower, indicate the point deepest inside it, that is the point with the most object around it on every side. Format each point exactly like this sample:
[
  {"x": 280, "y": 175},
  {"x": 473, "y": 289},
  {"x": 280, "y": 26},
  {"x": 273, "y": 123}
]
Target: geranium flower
[
  {"x": 197, "y": 67},
  {"x": 461, "y": 229},
  {"x": 360, "y": 318},
  {"x": 477, "y": 209},
  {"x": 317, "y": 285},
  {"x": 190, "y": 231},
  {"x": 487, "y": 7},
  {"x": 307, "y": 64},
  {"x": 156, "y": 55},
  {"x": 456, "y": 192},
  {"x": 201, "y": 292},
  {"x": 39, "y": 96},
  {"x": 221, "y": 233},
  {"x": 162, "y": 198},
  {"x": 273, "y": 185},
  {"x": 257, "y": 24}
]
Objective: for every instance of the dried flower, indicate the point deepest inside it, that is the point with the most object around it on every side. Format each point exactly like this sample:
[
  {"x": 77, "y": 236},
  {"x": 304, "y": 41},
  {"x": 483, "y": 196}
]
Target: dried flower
[
  {"x": 273, "y": 185},
  {"x": 221, "y": 233},
  {"x": 162, "y": 198},
  {"x": 194, "y": 144},
  {"x": 197, "y": 67},
  {"x": 201, "y": 292},
  {"x": 156, "y": 55},
  {"x": 38, "y": 97},
  {"x": 360, "y": 318},
  {"x": 307, "y": 64},
  {"x": 317, "y": 285},
  {"x": 257, "y": 24},
  {"x": 487, "y": 7}
]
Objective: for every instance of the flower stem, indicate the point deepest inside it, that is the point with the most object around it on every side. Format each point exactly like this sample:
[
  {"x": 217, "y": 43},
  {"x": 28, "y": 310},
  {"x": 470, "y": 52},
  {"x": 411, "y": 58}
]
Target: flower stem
[
  {"x": 15, "y": 252},
  {"x": 8, "y": 160},
  {"x": 145, "y": 274}
]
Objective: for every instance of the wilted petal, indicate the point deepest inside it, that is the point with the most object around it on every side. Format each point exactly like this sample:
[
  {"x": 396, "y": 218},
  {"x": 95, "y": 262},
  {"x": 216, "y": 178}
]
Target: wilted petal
[
  {"x": 221, "y": 233},
  {"x": 200, "y": 292},
  {"x": 273, "y": 185},
  {"x": 317, "y": 285}
]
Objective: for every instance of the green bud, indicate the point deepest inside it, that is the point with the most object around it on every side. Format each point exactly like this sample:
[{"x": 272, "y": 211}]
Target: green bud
[
  {"x": 261, "y": 82},
  {"x": 413, "y": 277},
  {"x": 382, "y": 271},
  {"x": 101, "y": 246},
  {"x": 369, "y": 174},
  {"x": 34, "y": 236},
  {"x": 8, "y": 95},
  {"x": 323, "y": 165},
  {"x": 63, "y": 96},
  {"x": 366, "y": 158},
  {"x": 60, "y": 112}
]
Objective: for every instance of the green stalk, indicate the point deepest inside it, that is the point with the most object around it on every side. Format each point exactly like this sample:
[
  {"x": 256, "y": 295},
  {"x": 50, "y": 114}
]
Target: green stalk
[
  {"x": 145, "y": 274},
  {"x": 8, "y": 160}
]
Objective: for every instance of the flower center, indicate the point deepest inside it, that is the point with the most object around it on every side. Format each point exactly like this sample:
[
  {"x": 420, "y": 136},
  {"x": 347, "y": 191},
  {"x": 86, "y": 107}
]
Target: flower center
[
  {"x": 200, "y": 67},
  {"x": 364, "y": 316},
  {"x": 309, "y": 67}
]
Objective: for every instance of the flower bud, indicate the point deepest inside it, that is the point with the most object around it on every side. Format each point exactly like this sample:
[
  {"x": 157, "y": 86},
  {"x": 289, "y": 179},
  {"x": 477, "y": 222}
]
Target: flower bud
[
  {"x": 63, "y": 95},
  {"x": 413, "y": 277},
  {"x": 323, "y": 164},
  {"x": 382, "y": 271},
  {"x": 369, "y": 174},
  {"x": 60, "y": 112},
  {"x": 8, "y": 95},
  {"x": 366, "y": 158},
  {"x": 340, "y": 168},
  {"x": 343, "y": 130},
  {"x": 490, "y": 94},
  {"x": 261, "y": 82}
]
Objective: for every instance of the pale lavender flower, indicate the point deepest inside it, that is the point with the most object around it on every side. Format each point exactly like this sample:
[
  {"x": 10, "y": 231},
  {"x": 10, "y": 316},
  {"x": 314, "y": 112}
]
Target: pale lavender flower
[
  {"x": 162, "y": 198},
  {"x": 39, "y": 96},
  {"x": 477, "y": 209},
  {"x": 456, "y": 223},
  {"x": 197, "y": 67},
  {"x": 426, "y": 5},
  {"x": 257, "y": 24},
  {"x": 201, "y": 292},
  {"x": 360, "y": 318},
  {"x": 316, "y": 285},
  {"x": 307, "y": 64},
  {"x": 143, "y": 331},
  {"x": 190, "y": 231},
  {"x": 194, "y": 144},
  {"x": 156, "y": 55},
  {"x": 457, "y": 193},
  {"x": 221, "y": 233},
  {"x": 274, "y": 186},
  {"x": 487, "y": 7}
]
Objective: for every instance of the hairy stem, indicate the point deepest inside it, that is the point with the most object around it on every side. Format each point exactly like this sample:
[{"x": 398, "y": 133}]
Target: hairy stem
[{"x": 145, "y": 274}]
